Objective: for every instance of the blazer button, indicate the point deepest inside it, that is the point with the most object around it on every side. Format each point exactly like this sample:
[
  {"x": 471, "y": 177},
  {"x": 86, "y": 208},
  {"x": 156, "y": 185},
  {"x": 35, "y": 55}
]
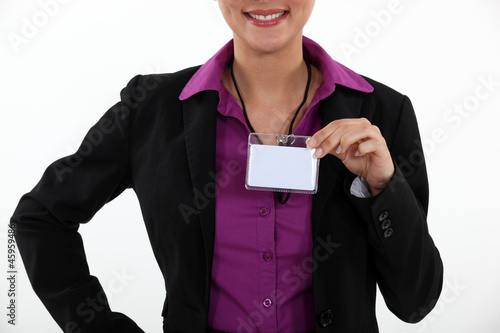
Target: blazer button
[
  {"x": 388, "y": 233},
  {"x": 385, "y": 224},
  {"x": 326, "y": 318},
  {"x": 383, "y": 216}
]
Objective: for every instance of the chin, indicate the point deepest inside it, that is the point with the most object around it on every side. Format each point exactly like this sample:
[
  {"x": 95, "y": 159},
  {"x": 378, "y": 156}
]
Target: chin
[{"x": 270, "y": 44}]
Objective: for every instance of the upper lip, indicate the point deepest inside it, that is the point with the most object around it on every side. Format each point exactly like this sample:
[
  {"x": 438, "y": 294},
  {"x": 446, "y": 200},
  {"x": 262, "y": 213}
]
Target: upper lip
[{"x": 265, "y": 12}]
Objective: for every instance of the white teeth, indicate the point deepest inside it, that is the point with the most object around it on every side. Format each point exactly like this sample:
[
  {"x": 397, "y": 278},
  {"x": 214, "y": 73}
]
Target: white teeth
[{"x": 266, "y": 18}]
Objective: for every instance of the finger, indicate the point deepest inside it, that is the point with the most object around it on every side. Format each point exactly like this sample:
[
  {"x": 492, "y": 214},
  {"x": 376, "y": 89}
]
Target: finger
[
  {"x": 317, "y": 139},
  {"x": 340, "y": 141},
  {"x": 332, "y": 142},
  {"x": 367, "y": 147},
  {"x": 360, "y": 135}
]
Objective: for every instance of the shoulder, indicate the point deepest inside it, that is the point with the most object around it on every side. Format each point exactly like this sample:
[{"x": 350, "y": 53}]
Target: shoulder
[
  {"x": 385, "y": 94},
  {"x": 388, "y": 109},
  {"x": 147, "y": 100},
  {"x": 166, "y": 85},
  {"x": 372, "y": 92}
]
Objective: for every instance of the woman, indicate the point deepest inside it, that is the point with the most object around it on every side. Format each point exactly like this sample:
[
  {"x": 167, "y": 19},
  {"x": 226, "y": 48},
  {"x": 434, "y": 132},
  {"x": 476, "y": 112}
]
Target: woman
[{"x": 233, "y": 259}]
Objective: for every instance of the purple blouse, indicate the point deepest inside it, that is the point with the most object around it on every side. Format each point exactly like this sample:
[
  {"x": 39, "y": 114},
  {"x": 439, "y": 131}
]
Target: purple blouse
[{"x": 262, "y": 266}]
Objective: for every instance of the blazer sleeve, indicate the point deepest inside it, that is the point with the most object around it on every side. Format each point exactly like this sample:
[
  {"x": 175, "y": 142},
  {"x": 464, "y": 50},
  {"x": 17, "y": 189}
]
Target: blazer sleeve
[
  {"x": 409, "y": 267},
  {"x": 46, "y": 223}
]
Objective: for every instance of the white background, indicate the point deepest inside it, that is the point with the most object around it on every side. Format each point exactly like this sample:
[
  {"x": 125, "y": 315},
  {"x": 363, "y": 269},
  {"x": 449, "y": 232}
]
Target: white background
[{"x": 67, "y": 74}]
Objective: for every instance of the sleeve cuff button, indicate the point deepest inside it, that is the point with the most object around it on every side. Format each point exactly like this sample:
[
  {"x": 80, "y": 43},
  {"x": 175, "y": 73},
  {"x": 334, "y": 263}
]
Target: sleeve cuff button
[
  {"x": 383, "y": 216},
  {"x": 388, "y": 233},
  {"x": 385, "y": 224}
]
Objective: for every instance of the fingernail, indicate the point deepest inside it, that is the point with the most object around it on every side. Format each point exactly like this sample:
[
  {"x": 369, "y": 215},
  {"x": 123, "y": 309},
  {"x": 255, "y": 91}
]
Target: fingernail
[
  {"x": 318, "y": 153},
  {"x": 311, "y": 143},
  {"x": 339, "y": 149}
]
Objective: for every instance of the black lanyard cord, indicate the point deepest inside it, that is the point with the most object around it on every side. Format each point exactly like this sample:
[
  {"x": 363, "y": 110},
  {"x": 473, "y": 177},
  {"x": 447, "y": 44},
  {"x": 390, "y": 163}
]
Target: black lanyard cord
[{"x": 306, "y": 93}]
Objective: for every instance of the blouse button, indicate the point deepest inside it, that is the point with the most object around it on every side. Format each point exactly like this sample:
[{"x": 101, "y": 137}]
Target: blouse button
[
  {"x": 267, "y": 256},
  {"x": 264, "y": 211},
  {"x": 267, "y": 303}
]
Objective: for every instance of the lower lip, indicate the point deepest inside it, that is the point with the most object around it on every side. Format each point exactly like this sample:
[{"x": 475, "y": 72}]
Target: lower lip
[{"x": 266, "y": 24}]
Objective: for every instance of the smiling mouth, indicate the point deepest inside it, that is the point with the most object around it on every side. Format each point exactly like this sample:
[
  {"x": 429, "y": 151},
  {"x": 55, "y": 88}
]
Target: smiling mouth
[{"x": 265, "y": 18}]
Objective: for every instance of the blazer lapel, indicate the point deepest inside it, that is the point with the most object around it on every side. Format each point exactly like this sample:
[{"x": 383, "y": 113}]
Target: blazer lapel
[
  {"x": 343, "y": 103},
  {"x": 200, "y": 121}
]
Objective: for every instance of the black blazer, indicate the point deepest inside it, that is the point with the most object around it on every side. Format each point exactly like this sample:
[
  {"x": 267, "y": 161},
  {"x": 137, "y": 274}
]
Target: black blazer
[{"x": 164, "y": 149}]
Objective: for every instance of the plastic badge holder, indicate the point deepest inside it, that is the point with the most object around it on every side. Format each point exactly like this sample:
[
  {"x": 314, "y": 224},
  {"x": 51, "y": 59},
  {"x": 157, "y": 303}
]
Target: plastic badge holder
[{"x": 281, "y": 163}]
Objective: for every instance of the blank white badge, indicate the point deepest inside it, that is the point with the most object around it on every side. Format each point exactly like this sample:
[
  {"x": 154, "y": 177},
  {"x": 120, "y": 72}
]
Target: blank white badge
[{"x": 282, "y": 168}]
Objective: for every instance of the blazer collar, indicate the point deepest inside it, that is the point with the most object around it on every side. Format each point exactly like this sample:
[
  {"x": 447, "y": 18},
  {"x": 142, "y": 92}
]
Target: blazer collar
[{"x": 207, "y": 77}]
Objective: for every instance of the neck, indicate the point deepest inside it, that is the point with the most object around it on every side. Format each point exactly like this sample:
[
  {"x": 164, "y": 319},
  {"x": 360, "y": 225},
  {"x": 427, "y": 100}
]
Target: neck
[
  {"x": 272, "y": 77},
  {"x": 272, "y": 85}
]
